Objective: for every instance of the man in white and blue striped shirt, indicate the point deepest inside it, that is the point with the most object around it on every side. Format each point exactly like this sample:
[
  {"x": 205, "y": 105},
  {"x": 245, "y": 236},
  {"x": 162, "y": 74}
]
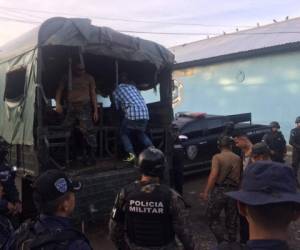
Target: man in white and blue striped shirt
[{"x": 129, "y": 99}]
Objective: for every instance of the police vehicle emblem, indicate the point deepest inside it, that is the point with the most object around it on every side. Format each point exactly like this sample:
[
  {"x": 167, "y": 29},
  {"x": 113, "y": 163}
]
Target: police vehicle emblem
[
  {"x": 61, "y": 185},
  {"x": 192, "y": 152}
]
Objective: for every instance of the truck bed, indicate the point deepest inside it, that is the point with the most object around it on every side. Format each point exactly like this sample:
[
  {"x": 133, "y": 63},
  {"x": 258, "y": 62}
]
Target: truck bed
[{"x": 100, "y": 183}]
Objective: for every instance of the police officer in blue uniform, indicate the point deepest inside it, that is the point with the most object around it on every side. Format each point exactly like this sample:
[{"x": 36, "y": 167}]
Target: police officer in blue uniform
[
  {"x": 6, "y": 208},
  {"x": 10, "y": 205},
  {"x": 147, "y": 214},
  {"x": 276, "y": 142},
  {"x": 269, "y": 200},
  {"x": 54, "y": 198},
  {"x": 8, "y": 174},
  {"x": 295, "y": 142}
]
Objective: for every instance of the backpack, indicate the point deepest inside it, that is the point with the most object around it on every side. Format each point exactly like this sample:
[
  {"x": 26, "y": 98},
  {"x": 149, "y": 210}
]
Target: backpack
[{"x": 26, "y": 238}]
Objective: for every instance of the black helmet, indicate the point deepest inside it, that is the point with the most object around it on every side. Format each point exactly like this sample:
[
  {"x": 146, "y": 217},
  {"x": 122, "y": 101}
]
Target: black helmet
[
  {"x": 225, "y": 141},
  {"x": 275, "y": 124},
  {"x": 297, "y": 119},
  {"x": 152, "y": 162}
]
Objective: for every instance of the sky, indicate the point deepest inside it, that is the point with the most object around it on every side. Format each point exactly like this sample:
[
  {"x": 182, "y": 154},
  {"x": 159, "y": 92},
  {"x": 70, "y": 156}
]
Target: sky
[{"x": 201, "y": 18}]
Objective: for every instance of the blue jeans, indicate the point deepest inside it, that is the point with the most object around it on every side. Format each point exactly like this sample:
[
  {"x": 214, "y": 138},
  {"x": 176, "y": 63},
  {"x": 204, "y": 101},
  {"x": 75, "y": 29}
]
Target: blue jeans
[{"x": 136, "y": 127}]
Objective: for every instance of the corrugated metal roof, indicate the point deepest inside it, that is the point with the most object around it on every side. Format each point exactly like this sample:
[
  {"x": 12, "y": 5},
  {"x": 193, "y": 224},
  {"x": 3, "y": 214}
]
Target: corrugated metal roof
[{"x": 272, "y": 35}]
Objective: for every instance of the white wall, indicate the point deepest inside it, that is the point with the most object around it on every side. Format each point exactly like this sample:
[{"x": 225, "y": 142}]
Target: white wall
[{"x": 268, "y": 87}]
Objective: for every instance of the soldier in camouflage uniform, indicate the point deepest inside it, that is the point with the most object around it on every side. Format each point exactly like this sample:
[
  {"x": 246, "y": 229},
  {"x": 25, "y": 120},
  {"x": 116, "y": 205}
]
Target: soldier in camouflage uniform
[
  {"x": 224, "y": 177},
  {"x": 147, "y": 215},
  {"x": 82, "y": 106},
  {"x": 295, "y": 143},
  {"x": 10, "y": 204}
]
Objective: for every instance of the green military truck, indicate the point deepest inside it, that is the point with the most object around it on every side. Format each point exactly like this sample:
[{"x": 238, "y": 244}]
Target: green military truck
[{"x": 30, "y": 71}]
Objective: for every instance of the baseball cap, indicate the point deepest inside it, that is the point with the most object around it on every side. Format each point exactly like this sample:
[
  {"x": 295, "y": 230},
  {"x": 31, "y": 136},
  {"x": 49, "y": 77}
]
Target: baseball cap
[
  {"x": 267, "y": 182},
  {"x": 53, "y": 184},
  {"x": 260, "y": 148}
]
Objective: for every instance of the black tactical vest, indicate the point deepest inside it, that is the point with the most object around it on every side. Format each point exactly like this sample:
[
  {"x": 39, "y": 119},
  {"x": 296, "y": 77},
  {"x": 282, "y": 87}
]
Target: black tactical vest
[
  {"x": 276, "y": 142},
  {"x": 296, "y": 136},
  {"x": 147, "y": 213}
]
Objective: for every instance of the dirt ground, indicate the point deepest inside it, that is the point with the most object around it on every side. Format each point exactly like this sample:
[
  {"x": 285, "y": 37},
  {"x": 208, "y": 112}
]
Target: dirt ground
[{"x": 199, "y": 226}]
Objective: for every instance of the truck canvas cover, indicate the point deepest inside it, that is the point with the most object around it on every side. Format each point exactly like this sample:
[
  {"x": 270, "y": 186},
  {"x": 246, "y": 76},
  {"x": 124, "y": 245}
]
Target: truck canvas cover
[{"x": 17, "y": 116}]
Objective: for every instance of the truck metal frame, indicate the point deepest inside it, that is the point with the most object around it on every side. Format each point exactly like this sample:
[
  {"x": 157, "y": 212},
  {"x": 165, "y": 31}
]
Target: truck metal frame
[{"x": 30, "y": 69}]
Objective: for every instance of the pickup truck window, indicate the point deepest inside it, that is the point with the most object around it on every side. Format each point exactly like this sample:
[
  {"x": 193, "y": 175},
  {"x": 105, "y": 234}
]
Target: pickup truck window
[
  {"x": 215, "y": 126},
  {"x": 15, "y": 85}
]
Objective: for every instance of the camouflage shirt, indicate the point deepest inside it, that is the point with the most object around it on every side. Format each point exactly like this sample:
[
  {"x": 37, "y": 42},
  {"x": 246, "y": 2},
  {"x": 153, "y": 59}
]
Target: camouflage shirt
[{"x": 180, "y": 223}]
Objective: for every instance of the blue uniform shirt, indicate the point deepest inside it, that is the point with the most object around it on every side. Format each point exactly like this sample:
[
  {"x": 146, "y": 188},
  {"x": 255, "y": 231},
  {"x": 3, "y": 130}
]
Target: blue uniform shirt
[
  {"x": 6, "y": 229},
  {"x": 267, "y": 245},
  {"x": 3, "y": 206},
  {"x": 54, "y": 223}
]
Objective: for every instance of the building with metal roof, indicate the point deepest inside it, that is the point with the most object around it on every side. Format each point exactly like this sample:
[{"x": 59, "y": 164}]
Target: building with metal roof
[
  {"x": 264, "y": 39},
  {"x": 255, "y": 70}
]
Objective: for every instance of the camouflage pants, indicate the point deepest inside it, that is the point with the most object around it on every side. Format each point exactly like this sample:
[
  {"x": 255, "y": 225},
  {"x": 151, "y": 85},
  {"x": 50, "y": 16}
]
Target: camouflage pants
[
  {"x": 82, "y": 113},
  {"x": 217, "y": 203},
  {"x": 296, "y": 162}
]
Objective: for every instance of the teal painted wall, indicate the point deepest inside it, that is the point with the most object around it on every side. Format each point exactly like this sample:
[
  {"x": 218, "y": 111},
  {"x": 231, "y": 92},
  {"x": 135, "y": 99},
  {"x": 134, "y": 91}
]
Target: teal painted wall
[{"x": 268, "y": 87}]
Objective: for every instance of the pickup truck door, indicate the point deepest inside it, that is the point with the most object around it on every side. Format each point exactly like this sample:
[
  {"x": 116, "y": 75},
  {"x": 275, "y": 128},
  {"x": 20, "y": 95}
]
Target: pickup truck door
[{"x": 196, "y": 144}]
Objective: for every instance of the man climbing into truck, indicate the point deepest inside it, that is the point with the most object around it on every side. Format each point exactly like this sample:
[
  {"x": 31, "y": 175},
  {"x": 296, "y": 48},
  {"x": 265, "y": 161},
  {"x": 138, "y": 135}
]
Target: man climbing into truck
[{"x": 136, "y": 115}]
